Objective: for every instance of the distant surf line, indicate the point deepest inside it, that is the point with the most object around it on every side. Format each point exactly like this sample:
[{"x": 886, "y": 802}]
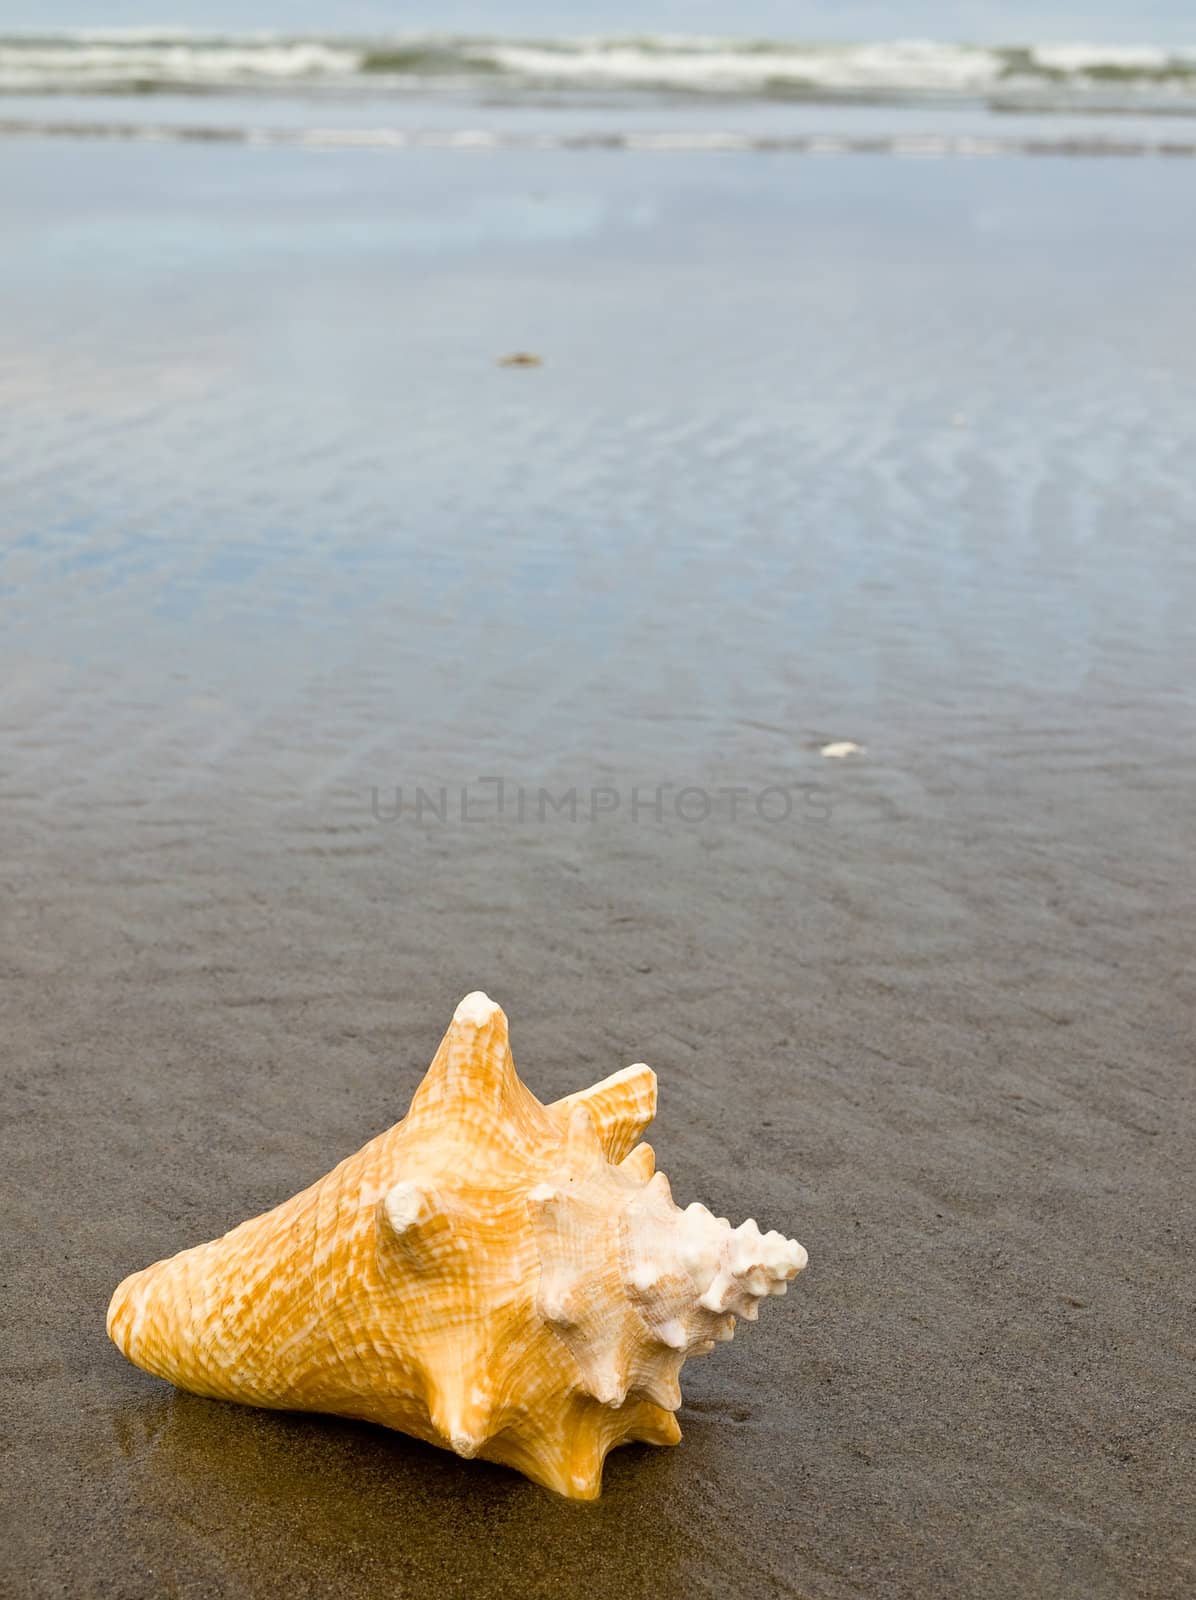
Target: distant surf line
[
  {"x": 1076, "y": 76},
  {"x": 481, "y": 140}
]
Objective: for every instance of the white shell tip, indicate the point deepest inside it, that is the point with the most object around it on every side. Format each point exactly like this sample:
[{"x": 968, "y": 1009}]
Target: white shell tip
[
  {"x": 476, "y": 1009},
  {"x": 404, "y": 1206},
  {"x": 557, "y": 1305},
  {"x": 712, "y": 1300},
  {"x": 609, "y": 1390}
]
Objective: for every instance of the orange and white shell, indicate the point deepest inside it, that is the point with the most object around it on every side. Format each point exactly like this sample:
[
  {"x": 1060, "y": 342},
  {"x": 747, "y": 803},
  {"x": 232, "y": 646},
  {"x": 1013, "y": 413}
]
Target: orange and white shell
[{"x": 499, "y": 1277}]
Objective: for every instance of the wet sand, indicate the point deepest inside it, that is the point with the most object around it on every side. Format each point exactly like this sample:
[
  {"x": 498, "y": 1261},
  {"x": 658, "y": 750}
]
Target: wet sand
[{"x": 897, "y": 455}]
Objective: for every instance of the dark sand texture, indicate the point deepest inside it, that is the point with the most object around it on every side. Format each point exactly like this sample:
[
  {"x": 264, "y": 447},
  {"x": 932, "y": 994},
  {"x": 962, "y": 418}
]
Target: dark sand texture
[{"x": 281, "y": 532}]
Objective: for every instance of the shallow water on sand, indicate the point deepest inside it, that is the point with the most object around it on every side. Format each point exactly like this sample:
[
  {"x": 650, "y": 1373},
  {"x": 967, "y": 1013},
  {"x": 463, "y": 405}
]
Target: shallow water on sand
[
  {"x": 868, "y": 450},
  {"x": 812, "y": 446}
]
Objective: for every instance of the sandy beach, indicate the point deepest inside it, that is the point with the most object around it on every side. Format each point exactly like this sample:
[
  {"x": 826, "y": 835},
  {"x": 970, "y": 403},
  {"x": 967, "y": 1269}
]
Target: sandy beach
[{"x": 858, "y": 449}]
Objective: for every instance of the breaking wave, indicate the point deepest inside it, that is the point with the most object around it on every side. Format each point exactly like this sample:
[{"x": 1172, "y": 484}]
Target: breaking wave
[{"x": 1057, "y": 77}]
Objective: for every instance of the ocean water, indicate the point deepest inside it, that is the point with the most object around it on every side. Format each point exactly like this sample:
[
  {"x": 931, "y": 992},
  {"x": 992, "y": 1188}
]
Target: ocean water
[
  {"x": 683, "y": 92},
  {"x": 817, "y": 448},
  {"x": 150, "y": 60}
]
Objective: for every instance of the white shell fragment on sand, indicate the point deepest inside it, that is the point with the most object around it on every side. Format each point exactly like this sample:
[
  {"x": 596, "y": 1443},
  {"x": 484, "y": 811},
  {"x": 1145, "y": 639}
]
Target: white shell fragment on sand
[
  {"x": 502, "y": 1278},
  {"x": 839, "y": 748}
]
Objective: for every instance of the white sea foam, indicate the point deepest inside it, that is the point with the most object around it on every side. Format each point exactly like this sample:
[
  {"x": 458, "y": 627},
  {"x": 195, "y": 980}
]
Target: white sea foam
[
  {"x": 720, "y": 67},
  {"x": 1081, "y": 58},
  {"x": 95, "y": 61}
]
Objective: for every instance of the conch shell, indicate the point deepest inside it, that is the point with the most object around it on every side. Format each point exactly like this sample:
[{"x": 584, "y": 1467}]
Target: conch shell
[{"x": 499, "y": 1277}]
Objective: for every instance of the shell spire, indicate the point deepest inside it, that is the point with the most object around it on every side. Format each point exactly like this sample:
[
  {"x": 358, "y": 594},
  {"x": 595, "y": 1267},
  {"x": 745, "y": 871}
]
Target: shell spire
[{"x": 503, "y": 1278}]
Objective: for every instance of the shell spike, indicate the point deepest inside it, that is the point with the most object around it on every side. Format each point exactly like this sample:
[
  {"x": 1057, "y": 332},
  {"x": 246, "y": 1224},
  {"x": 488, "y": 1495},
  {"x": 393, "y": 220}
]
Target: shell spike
[
  {"x": 581, "y": 1470},
  {"x": 657, "y": 1425},
  {"x": 659, "y": 1188},
  {"x": 474, "y": 1058},
  {"x": 415, "y": 1223},
  {"x": 472, "y": 1087},
  {"x": 460, "y": 1411},
  {"x": 622, "y": 1106},
  {"x": 662, "y": 1382},
  {"x": 607, "y": 1381},
  {"x": 640, "y": 1164}
]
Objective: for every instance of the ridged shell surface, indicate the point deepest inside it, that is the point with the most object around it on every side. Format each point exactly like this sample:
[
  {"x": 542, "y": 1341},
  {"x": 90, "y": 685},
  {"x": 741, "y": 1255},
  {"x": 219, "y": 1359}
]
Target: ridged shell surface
[{"x": 502, "y": 1278}]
